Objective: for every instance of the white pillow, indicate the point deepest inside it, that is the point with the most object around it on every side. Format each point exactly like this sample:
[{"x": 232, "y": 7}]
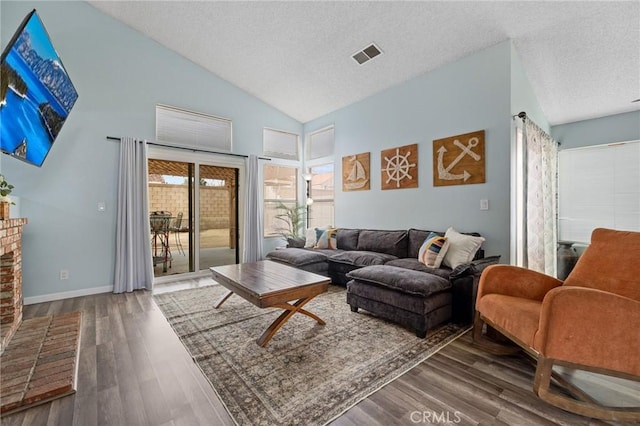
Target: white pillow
[
  {"x": 310, "y": 238},
  {"x": 462, "y": 248}
]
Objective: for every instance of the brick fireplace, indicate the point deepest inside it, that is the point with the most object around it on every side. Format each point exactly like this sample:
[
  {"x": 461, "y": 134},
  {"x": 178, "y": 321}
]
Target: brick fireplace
[{"x": 10, "y": 278}]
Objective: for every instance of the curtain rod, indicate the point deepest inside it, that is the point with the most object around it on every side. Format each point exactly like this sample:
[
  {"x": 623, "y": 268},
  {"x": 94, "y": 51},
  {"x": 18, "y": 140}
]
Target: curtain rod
[
  {"x": 113, "y": 138},
  {"x": 522, "y": 115}
]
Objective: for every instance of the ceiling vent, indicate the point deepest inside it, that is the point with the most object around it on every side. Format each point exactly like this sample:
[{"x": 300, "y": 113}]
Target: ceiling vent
[{"x": 366, "y": 54}]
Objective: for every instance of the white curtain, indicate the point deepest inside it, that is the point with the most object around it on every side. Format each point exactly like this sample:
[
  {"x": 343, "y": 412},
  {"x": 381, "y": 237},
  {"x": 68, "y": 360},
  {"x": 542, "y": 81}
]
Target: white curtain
[
  {"x": 541, "y": 158},
  {"x": 252, "y": 240},
  {"x": 134, "y": 267}
]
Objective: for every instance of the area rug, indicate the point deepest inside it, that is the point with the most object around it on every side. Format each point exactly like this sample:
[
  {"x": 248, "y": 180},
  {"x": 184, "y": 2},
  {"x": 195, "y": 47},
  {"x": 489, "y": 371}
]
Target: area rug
[
  {"x": 308, "y": 373},
  {"x": 40, "y": 362}
]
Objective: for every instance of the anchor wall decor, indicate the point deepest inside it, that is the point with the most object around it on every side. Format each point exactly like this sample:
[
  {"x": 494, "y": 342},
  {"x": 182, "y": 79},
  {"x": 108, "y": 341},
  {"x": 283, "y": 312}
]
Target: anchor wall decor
[
  {"x": 459, "y": 160},
  {"x": 356, "y": 175},
  {"x": 400, "y": 167}
]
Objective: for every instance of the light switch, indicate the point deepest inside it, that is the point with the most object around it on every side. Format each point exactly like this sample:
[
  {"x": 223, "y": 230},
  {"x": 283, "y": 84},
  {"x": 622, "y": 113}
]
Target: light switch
[
  {"x": 102, "y": 206},
  {"x": 484, "y": 204}
]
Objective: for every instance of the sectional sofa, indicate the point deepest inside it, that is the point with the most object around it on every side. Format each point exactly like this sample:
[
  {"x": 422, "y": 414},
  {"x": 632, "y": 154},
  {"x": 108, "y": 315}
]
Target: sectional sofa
[{"x": 383, "y": 275}]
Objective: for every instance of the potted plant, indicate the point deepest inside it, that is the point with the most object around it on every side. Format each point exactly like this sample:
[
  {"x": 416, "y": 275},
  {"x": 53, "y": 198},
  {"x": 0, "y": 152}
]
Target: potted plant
[
  {"x": 5, "y": 189},
  {"x": 293, "y": 220}
]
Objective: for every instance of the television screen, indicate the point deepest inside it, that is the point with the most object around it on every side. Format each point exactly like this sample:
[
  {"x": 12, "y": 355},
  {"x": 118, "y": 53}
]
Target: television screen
[{"x": 36, "y": 94}]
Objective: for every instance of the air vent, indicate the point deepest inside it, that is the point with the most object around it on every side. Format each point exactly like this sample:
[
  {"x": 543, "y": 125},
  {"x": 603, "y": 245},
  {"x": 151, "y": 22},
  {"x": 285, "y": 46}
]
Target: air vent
[{"x": 366, "y": 54}]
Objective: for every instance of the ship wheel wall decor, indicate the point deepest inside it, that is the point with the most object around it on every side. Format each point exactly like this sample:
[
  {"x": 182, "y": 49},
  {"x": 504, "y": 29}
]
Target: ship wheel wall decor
[
  {"x": 459, "y": 160},
  {"x": 399, "y": 167},
  {"x": 356, "y": 172}
]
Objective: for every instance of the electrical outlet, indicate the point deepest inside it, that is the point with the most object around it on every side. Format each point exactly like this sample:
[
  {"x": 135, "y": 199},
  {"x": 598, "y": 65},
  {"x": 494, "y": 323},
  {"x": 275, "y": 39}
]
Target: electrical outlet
[
  {"x": 484, "y": 204},
  {"x": 64, "y": 274}
]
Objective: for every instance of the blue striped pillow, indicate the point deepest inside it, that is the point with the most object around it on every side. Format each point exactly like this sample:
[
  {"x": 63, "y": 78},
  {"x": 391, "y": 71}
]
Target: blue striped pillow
[{"x": 433, "y": 250}]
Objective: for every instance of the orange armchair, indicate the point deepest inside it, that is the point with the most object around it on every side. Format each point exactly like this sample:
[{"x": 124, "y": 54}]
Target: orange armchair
[{"x": 590, "y": 322}]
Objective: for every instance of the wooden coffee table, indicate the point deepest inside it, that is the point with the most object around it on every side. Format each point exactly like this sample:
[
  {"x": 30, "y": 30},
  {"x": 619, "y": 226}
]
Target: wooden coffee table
[{"x": 269, "y": 284}]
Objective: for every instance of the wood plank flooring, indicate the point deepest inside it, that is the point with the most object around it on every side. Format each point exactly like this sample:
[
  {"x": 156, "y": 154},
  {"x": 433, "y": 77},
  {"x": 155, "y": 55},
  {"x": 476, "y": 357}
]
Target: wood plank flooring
[{"x": 134, "y": 371}]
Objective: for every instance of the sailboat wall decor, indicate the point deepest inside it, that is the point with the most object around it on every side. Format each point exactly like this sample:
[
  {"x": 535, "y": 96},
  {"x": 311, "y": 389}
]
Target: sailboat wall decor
[{"x": 356, "y": 172}]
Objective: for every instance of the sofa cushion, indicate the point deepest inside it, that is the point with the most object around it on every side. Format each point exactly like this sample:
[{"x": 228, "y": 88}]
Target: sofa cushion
[
  {"x": 518, "y": 315},
  {"x": 400, "y": 279},
  {"x": 347, "y": 239},
  {"x": 416, "y": 238},
  {"x": 298, "y": 256},
  {"x": 415, "y": 265},
  {"x": 361, "y": 258},
  {"x": 389, "y": 242}
]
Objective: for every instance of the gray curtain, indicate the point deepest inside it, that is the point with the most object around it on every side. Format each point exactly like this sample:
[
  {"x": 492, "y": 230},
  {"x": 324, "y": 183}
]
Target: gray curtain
[
  {"x": 252, "y": 237},
  {"x": 134, "y": 267}
]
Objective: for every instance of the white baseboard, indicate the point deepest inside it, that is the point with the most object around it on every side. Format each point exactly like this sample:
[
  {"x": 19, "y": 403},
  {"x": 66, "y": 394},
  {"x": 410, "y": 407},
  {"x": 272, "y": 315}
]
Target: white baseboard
[{"x": 67, "y": 295}]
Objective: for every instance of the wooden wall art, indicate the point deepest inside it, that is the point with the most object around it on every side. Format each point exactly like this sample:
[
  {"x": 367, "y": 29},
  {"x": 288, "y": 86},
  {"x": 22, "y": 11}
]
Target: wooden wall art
[
  {"x": 459, "y": 160},
  {"x": 400, "y": 167},
  {"x": 356, "y": 172}
]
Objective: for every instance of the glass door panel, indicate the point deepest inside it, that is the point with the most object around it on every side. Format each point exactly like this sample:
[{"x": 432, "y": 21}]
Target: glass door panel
[
  {"x": 218, "y": 216},
  {"x": 170, "y": 208}
]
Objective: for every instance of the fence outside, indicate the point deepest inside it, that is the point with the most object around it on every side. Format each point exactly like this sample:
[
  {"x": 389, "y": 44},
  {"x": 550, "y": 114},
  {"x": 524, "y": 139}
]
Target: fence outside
[{"x": 215, "y": 203}]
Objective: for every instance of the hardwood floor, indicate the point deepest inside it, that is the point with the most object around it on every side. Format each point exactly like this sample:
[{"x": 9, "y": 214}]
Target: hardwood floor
[{"x": 134, "y": 371}]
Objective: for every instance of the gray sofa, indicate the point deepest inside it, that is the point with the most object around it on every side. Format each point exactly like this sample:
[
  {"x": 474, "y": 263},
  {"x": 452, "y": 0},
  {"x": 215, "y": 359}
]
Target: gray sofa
[{"x": 383, "y": 276}]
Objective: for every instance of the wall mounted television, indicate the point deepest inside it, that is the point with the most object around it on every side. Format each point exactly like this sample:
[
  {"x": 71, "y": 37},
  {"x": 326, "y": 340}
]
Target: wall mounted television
[{"x": 36, "y": 93}]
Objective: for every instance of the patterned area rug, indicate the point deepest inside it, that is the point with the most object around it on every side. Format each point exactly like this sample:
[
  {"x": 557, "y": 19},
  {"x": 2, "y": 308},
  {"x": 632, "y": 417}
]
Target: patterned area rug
[{"x": 308, "y": 374}]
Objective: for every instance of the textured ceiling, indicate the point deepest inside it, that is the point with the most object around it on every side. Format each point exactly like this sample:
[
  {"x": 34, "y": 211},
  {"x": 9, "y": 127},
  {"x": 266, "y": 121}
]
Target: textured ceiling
[{"x": 581, "y": 57}]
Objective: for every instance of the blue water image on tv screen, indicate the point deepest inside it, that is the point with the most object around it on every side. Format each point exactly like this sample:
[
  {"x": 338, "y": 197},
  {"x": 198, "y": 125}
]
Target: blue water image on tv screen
[{"x": 36, "y": 94}]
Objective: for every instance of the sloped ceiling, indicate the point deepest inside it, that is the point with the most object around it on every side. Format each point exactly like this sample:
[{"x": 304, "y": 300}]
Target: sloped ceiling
[{"x": 581, "y": 57}]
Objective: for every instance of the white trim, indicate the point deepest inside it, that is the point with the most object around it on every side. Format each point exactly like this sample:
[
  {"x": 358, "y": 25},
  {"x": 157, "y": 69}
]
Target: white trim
[
  {"x": 164, "y": 279},
  {"x": 67, "y": 294}
]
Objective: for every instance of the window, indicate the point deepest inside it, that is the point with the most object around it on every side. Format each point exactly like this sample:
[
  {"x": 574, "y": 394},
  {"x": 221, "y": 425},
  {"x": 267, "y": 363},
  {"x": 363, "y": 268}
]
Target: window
[
  {"x": 320, "y": 144},
  {"x": 321, "y": 212},
  {"x": 280, "y": 187},
  {"x": 598, "y": 186},
  {"x": 280, "y": 144},
  {"x": 190, "y": 129}
]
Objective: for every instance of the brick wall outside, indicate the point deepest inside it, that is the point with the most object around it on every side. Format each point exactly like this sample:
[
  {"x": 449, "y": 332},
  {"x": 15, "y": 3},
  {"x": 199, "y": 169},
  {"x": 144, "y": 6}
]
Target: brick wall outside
[
  {"x": 10, "y": 278},
  {"x": 214, "y": 203}
]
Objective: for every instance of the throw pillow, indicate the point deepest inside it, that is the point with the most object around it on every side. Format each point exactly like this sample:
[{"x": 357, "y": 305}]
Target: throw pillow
[
  {"x": 433, "y": 250},
  {"x": 310, "y": 238},
  {"x": 327, "y": 240},
  {"x": 312, "y": 235},
  {"x": 462, "y": 248}
]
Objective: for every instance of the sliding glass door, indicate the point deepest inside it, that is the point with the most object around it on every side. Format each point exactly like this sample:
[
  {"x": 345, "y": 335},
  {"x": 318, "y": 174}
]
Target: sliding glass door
[{"x": 194, "y": 226}]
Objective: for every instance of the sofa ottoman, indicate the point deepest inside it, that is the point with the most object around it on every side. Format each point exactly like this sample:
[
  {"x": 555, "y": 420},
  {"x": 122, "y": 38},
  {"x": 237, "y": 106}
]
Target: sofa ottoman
[{"x": 413, "y": 299}]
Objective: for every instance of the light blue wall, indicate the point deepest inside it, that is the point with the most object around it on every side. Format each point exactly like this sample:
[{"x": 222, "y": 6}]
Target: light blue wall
[
  {"x": 468, "y": 95},
  {"x": 522, "y": 95},
  {"x": 120, "y": 75},
  {"x": 614, "y": 128}
]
